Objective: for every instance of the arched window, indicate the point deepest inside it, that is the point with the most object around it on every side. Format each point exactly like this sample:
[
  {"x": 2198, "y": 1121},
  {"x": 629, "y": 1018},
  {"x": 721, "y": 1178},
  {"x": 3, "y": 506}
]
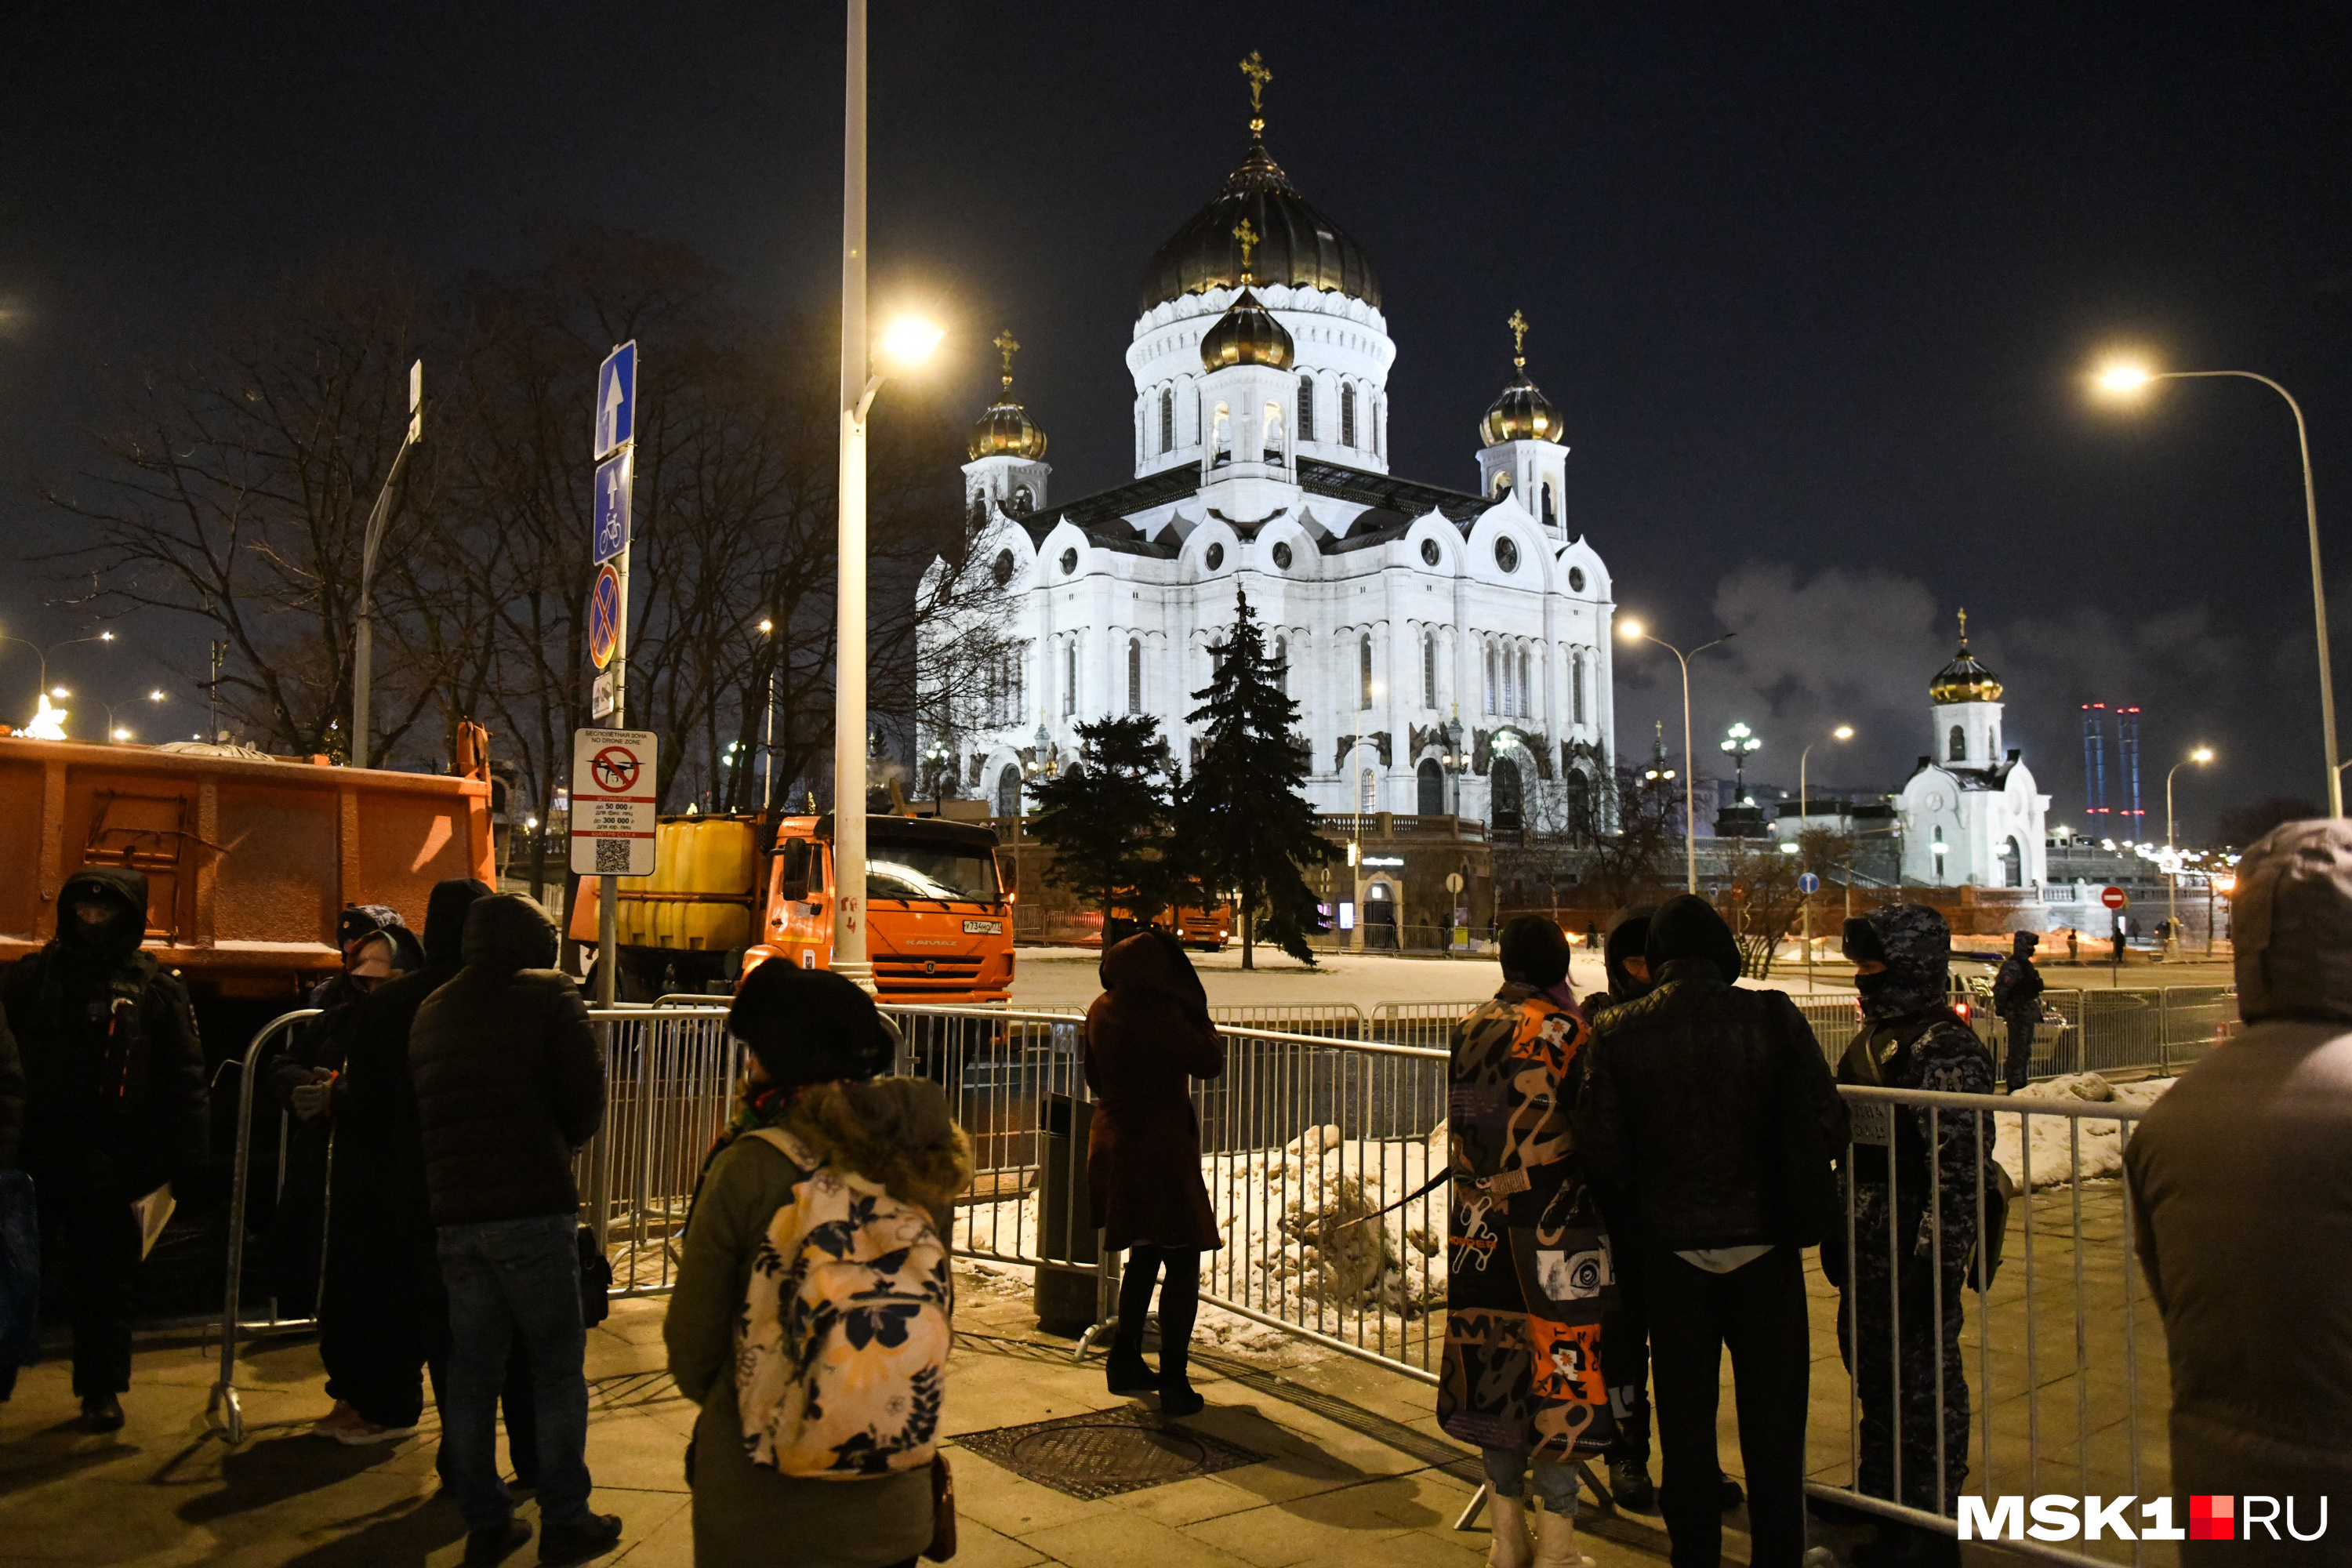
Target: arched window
[
  {"x": 1364, "y": 671},
  {"x": 1527, "y": 688},
  {"x": 1368, "y": 792},
  {"x": 1306, "y": 408},
  {"x": 1959, "y": 745},
  {"x": 1008, "y": 791},
  {"x": 1431, "y": 780},
  {"x": 1070, "y": 675},
  {"x": 1502, "y": 485},
  {"x": 1281, "y": 664},
  {"x": 1490, "y": 679},
  {"x": 1578, "y": 791},
  {"x": 1273, "y": 443},
  {"x": 1166, "y": 419},
  {"x": 1576, "y": 684},
  {"x": 1222, "y": 443},
  {"x": 1429, "y": 669},
  {"x": 1347, "y": 416},
  {"x": 1504, "y": 778},
  {"x": 1135, "y": 675},
  {"x": 2012, "y": 864},
  {"x": 1510, "y": 696},
  {"x": 1992, "y": 745},
  {"x": 1550, "y": 507},
  {"x": 1022, "y": 502}
]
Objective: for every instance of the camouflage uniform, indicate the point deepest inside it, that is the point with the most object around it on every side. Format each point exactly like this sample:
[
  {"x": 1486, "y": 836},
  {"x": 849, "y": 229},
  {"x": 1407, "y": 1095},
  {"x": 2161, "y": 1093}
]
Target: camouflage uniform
[{"x": 1911, "y": 1039}]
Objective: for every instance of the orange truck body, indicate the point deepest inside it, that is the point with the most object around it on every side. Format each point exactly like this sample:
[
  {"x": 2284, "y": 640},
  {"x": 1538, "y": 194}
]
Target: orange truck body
[
  {"x": 249, "y": 863},
  {"x": 1208, "y": 930},
  {"x": 939, "y": 918}
]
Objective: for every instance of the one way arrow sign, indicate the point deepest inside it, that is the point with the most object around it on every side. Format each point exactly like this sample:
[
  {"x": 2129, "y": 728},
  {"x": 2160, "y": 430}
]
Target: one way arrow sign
[{"x": 616, "y": 400}]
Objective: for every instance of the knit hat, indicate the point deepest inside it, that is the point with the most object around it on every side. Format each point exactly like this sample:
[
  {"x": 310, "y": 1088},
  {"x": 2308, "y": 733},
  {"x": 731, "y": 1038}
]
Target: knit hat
[
  {"x": 1534, "y": 952},
  {"x": 1629, "y": 937},
  {"x": 1686, "y": 926},
  {"x": 809, "y": 1025}
]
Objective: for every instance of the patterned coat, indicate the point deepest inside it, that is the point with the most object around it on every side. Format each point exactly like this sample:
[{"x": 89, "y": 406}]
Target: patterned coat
[{"x": 1528, "y": 1270}]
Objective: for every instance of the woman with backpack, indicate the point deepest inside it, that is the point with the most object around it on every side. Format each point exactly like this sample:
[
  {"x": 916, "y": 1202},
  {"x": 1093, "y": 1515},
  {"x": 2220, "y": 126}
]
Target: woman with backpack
[
  {"x": 809, "y": 1319},
  {"x": 1146, "y": 1034}
]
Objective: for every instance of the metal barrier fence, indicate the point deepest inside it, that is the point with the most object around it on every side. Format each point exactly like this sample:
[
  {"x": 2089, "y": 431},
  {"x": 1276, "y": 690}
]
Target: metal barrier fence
[{"x": 2157, "y": 1030}]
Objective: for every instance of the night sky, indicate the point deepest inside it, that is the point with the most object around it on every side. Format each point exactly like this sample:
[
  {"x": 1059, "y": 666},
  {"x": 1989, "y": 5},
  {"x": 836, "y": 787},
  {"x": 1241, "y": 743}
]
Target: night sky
[{"x": 1816, "y": 288}]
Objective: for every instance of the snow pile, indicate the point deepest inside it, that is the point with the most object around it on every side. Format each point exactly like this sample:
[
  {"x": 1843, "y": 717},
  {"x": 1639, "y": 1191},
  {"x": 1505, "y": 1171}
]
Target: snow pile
[{"x": 2102, "y": 1153}]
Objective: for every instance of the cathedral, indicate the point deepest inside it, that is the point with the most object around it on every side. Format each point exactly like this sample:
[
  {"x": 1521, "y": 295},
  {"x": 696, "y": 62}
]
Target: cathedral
[
  {"x": 1449, "y": 648},
  {"x": 1969, "y": 813}
]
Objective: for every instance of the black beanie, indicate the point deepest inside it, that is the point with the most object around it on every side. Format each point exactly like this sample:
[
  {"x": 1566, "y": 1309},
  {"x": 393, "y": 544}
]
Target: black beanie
[
  {"x": 1629, "y": 937},
  {"x": 1686, "y": 926},
  {"x": 1534, "y": 952},
  {"x": 809, "y": 1025}
]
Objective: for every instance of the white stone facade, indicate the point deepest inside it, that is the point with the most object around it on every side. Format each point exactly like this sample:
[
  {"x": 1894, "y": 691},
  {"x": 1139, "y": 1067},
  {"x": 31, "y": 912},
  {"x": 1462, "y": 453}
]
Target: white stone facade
[{"x": 1971, "y": 815}]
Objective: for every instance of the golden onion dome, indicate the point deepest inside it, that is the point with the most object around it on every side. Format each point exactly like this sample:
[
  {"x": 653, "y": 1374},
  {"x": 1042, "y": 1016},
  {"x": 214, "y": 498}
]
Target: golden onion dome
[
  {"x": 1005, "y": 428},
  {"x": 1964, "y": 680},
  {"x": 1522, "y": 413},
  {"x": 1247, "y": 332}
]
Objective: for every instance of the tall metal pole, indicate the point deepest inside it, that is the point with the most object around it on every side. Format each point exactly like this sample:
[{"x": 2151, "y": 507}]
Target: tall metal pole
[
  {"x": 370, "y": 540},
  {"x": 1690, "y": 787},
  {"x": 2318, "y": 584},
  {"x": 850, "y": 645}
]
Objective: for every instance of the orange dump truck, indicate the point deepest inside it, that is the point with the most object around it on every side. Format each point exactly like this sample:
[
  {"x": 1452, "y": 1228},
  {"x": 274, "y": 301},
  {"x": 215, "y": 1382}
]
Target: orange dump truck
[
  {"x": 249, "y": 861},
  {"x": 938, "y": 918}
]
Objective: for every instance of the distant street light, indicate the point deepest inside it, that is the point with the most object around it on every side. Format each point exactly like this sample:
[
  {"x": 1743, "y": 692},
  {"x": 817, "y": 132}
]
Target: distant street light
[
  {"x": 2200, "y": 756},
  {"x": 939, "y": 756},
  {"x": 1632, "y": 631},
  {"x": 2126, "y": 380},
  {"x": 41, "y": 715},
  {"x": 115, "y": 732},
  {"x": 1805, "y": 810},
  {"x": 370, "y": 540},
  {"x": 768, "y": 726}
]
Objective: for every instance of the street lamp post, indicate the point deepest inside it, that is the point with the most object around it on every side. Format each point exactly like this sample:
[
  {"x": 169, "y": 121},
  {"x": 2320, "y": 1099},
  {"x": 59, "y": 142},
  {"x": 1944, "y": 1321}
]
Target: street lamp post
[
  {"x": 1804, "y": 810},
  {"x": 2200, "y": 756},
  {"x": 370, "y": 540},
  {"x": 114, "y": 733},
  {"x": 907, "y": 344},
  {"x": 768, "y": 727},
  {"x": 2127, "y": 380},
  {"x": 939, "y": 756},
  {"x": 43, "y": 653},
  {"x": 1632, "y": 631}
]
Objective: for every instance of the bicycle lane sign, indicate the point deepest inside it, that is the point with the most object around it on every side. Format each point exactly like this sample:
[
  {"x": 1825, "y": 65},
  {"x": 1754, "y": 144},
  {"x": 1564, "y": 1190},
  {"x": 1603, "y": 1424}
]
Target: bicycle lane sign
[{"x": 613, "y": 774}]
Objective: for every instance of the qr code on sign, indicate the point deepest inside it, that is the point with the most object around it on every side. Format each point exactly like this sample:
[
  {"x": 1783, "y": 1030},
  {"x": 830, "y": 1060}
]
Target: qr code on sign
[{"x": 611, "y": 857}]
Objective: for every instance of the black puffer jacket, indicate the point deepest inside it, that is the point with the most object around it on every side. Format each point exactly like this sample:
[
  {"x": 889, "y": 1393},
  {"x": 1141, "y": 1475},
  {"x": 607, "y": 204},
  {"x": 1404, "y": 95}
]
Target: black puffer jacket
[
  {"x": 114, "y": 1072},
  {"x": 1700, "y": 1099},
  {"x": 509, "y": 1079}
]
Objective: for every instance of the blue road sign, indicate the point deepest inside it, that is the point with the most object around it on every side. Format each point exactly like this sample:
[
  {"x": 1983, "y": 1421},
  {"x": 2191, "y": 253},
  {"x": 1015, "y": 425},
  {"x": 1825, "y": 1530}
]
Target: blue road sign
[
  {"x": 1809, "y": 883},
  {"x": 609, "y": 530},
  {"x": 617, "y": 399}
]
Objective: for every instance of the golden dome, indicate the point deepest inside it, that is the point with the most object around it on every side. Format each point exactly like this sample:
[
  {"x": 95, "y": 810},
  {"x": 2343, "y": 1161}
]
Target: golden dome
[
  {"x": 1005, "y": 428},
  {"x": 1247, "y": 332},
  {"x": 1522, "y": 413},
  {"x": 1964, "y": 680}
]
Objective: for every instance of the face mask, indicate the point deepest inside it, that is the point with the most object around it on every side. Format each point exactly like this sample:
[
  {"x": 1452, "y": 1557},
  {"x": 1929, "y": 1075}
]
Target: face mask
[{"x": 1873, "y": 986}]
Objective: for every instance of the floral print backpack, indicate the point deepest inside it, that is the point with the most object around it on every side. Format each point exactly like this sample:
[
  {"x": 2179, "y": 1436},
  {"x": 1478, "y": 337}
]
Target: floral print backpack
[{"x": 841, "y": 1352}]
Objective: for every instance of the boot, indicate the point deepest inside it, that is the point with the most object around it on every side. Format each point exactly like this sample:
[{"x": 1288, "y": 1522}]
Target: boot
[
  {"x": 1126, "y": 1370},
  {"x": 1630, "y": 1487},
  {"x": 1176, "y": 1396},
  {"x": 1507, "y": 1519},
  {"x": 1556, "y": 1543}
]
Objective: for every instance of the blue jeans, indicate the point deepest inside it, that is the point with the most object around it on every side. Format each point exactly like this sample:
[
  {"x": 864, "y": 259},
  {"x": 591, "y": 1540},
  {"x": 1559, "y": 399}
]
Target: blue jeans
[
  {"x": 1506, "y": 1476},
  {"x": 515, "y": 1279}
]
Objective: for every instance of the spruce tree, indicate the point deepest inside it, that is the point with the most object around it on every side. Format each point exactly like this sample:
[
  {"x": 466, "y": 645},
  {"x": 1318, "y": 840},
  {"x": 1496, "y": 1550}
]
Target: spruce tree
[
  {"x": 1108, "y": 819},
  {"x": 1241, "y": 818}
]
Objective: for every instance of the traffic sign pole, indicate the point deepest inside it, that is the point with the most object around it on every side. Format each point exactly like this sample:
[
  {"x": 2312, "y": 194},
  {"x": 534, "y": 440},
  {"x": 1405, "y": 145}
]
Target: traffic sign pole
[{"x": 616, "y": 418}]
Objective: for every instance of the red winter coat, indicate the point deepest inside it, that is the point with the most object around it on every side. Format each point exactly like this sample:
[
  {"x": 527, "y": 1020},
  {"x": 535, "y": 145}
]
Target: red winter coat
[{"x": 1144, "y": 1036}]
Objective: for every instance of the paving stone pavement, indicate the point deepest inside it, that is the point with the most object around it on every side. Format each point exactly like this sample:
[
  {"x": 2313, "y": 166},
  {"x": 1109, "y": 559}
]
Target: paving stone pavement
[{"x": 1355, "y": 1470}]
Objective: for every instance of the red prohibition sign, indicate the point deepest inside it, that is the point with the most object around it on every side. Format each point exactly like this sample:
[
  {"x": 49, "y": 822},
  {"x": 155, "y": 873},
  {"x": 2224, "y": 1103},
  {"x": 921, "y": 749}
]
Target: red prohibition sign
[
  {"x": 2113, "y": 897},
  {"x": 614, "y": 768}
]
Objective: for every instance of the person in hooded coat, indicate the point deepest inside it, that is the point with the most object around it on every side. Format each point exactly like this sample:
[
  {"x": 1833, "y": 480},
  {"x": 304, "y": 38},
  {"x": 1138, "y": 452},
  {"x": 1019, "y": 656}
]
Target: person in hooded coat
[
  {"x": 1626, "y": 1327},
  {"x": 2242, "y": 1203},
  {"x": 115, "y": 1106},
  {"x": 1528, "y": 1263},
  {"x": 1710, "y": 1106},
  {"x": 1911, "y": 1038},
  {"x": 1146, "y": 1034},
  {"x": 815, "y": 1044},
  {"x": 2017, "y": 1002}
]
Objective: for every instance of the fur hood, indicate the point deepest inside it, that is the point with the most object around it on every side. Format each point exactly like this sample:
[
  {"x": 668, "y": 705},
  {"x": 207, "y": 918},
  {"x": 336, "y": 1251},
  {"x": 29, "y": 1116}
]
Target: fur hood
[{"x": 893, "y": 1130}]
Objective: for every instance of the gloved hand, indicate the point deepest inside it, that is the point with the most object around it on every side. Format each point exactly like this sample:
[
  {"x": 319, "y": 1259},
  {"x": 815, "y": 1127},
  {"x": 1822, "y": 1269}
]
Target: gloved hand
[{"x": 315, "y": 1096}]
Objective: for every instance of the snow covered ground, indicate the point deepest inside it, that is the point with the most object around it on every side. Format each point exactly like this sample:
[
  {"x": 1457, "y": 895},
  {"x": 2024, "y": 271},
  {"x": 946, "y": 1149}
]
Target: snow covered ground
[{"x": 2052, "y": 1147}]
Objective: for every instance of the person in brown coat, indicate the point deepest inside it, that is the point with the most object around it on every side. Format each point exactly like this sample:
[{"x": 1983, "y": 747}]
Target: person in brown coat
[{"x": 1146, "y": 1034}]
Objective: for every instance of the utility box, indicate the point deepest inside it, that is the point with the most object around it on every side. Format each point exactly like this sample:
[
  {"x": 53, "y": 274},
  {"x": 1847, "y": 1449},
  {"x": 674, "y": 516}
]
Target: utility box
[{"x": 1066, "y": 1296}]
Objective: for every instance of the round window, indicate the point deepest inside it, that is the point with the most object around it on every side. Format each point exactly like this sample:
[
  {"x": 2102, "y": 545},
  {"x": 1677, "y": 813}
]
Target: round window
[
  {"x": 1429, "y": 553},
  {"x": 1001, "y": 567},
  {"x": 1576, "y": 579},
  {"x": 1507, "y": 553},
  {"x": 1282, "y": 557},
  {"x": 1215, "y": 557},
  {"x": 1069, "y": 563}
]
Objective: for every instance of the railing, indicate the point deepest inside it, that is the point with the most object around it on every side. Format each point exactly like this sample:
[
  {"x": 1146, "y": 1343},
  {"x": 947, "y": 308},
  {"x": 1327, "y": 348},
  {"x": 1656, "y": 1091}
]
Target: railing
[
  {"x": 2130, "y": 1032},
  {"x": 224, "y": 1394},
  {"x": 669, "y": 1084}
]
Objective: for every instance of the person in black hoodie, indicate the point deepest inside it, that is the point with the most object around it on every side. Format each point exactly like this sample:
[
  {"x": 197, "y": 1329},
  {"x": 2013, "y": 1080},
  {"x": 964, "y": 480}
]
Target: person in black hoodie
[
  {"x": 115, "y": 1107},
  {"x": 1711, "y": 1109},
  {"x": 386, "y": 1318},
  {"x": 1625, "y": 1328}
]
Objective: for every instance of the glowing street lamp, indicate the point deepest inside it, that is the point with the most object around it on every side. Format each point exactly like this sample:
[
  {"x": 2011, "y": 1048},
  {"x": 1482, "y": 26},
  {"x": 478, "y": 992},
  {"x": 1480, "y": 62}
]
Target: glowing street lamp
[
  {"x": 2200, "y": 756},
  {"x": 2125, "y": 381},
  {"x": 1633, "y": 631}
]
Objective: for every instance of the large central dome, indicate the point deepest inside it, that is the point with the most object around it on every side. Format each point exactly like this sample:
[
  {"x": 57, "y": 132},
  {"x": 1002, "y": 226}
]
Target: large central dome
[{"x": 1297, "y": 246}]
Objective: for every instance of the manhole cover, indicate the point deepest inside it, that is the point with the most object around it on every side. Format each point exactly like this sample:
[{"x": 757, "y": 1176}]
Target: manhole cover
[{"x": 1104, "y": 1453}]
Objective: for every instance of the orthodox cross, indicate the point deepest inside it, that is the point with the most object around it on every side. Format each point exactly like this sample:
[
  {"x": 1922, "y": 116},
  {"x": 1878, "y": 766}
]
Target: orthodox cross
[
  {"x": 1518, "y": 325},
  {"x": 1004, "y": 341},
  {"x": 1254, "y": 68},
  {"x": 1964, "y": 628},
  {"x": 1248, "y": 237}
]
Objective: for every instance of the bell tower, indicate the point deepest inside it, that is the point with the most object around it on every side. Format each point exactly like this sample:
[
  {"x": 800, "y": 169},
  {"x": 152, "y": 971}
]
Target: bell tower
[{"x": 1523, "y": 455}]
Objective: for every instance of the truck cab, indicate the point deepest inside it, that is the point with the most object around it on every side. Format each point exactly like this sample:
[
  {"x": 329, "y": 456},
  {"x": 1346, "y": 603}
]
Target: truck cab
[{"x": 939, "y": 920}]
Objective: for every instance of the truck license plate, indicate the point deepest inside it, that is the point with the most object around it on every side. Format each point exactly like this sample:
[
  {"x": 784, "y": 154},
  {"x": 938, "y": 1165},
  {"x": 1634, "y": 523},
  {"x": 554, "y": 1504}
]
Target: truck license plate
[{"x": 984, "y": 927}]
